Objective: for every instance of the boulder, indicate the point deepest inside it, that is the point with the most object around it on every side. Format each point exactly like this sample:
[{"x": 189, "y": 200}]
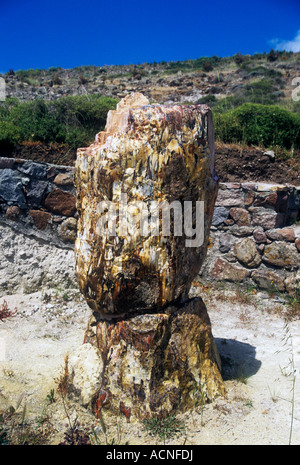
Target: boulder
[
  {"x": 266, "y": 218},
  {"x": 68, "y": 229},
  {"x": 281, "y": 254},
  {"x": 259, "y": 235},
  {"x": 230, "y": 198},
  {"x": 11, "y": 188},
  {"x": 242, "y": 231},
  {"x": 247, "y": 254},
  {"x": 241, "y": 216},
  {"x": 225, "y": 242},
  {"x": 13, "y": 213},
  {"x": 267, "y": 279},
  {"x": 223, "y": 270},
  {"x": 40, "y": 218},
  {"x": 33, "y": 170},
  {"x": 63, "y": 179},
  {"x": 292, "y": 284},
  {"x": 60, "y": 202},
  {"x": 220, "y": 215},
  {"x": 35, "y": 192},
  {"x": 283, "y": 234}
]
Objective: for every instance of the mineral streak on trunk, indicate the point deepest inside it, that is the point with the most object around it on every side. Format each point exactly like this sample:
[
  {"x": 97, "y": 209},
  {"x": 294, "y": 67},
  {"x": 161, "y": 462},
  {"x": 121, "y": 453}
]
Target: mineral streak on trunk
[
  {"x": 155, "y": 344},
  {"x": 149, "y": 153},
  {"x": 157, "y": 362}
]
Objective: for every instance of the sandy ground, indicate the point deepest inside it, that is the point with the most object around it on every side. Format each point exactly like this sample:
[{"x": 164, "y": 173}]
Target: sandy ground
[{"x": 251, "y": 337}]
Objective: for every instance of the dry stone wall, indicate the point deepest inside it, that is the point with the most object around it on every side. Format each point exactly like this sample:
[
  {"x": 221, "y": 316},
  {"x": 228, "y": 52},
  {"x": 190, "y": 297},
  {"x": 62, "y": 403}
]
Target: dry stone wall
[
  {"x": 254, "y": 239},
  {"x": 38, "y": 222},
  {"x": 39, "y": 199}
]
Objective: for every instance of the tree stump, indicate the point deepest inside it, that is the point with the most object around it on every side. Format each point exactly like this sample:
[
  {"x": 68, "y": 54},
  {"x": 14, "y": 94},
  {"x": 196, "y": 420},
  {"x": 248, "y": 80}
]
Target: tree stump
[{"x": 146, "y": 191}]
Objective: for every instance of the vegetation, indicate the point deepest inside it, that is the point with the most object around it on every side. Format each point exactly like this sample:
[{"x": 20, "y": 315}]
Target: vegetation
[
  {"x": 5, "y": 312},
  {"x": 165, "y": 427},
  {"x": 73, "y": 120},
  {"x": 255, "y": 111},
  {"x": 255, "y": 124}
]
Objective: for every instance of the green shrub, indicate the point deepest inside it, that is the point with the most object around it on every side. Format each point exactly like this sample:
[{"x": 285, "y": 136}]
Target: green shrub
[
  {"x": 266, "y": 125},
  {"x": 73, "y": 120},
  {"x": 9, "y": 137},
  {"x": 35, "y": 122}
]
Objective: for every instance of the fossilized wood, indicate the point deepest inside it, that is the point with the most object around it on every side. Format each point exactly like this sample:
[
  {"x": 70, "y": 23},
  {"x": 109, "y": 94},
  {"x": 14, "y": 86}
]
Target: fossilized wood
[
  {"x": 154, "y": 345},
  {"x": 156, "y": 363},
  {"x": 148, "y": 152}
]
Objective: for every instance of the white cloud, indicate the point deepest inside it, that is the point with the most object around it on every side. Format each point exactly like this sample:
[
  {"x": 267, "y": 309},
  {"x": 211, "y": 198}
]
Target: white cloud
[{"x": 288, "y": 45}]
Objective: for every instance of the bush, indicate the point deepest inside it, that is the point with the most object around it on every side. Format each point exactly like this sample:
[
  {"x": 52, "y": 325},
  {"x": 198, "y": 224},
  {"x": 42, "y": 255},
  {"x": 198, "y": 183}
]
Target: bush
[
  {"x": 72, "y": 120},
  {"x": 254, "y": 124},
  {"x": 9, "y": 137},
  {"x": 35, "y": 122}
]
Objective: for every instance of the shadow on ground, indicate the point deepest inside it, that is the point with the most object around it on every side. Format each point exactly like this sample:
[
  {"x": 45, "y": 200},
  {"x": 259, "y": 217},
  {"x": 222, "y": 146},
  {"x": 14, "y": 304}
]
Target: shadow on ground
[{"x": 238, "y": 359}]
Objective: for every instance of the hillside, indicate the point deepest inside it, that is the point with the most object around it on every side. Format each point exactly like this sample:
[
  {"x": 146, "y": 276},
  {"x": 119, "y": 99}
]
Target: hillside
[
  {"x": 174, "y": 82},
  {"x": 225, "y": 84}
]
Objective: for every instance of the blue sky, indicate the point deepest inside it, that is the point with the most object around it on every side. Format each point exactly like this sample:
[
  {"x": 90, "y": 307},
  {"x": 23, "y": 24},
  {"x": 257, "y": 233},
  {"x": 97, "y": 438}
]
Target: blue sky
[{"x": 41, "y": 34}]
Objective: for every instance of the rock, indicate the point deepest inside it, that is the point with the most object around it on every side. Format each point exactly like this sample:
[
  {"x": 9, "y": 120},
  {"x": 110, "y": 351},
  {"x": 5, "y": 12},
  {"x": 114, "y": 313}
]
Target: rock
[
  {"x": 34, "y": 170},
  {"x": 281, "y": 254},
  {"x": 284, "y": 234},
  {"x": 259, "y": 235},
  {"x": 297, "y": 243},
  {"x": 249, "y": 197},
  {"x": 260, "y": 248},
  {"x": 270, "y": 154},
  {"x": 158, "y": 153},
  {"x": 275, "y": 200},
  {"x": 40, "y": 218},
  {"x": 241, "y": 216},
  {"x": 267, "y": 219},
  {"x": 229, "y": 222},
  {"x": 223, "y": 270},
  {"x": 292, "y": 284},
  {"x": 225, "y": 242},
  {"x": 265, "y": 187},
  {"x": 68, "y": 229},
  {"x": 11, "y": 188},
  {"x": 60, "y": 202},
  {"x": 35, "y": 192},
  {"x": 63, "y": 179},
  {"x": 249, "y": 186},
  {"x": 85, "y": 366},
  {"x": 220, "y": 215},
  {"x": 246, "y": 252},
  {"x": 154, "y": 362},
  {"x": 267, "y": 279},
  {"x": 13, "y": 213},
  {"x": 230, "y": 198},
  {"x": 242, "y": 231}
]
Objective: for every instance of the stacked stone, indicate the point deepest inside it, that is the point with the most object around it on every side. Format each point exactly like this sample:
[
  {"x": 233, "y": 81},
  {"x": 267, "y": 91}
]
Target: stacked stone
[
  {"x": 255, "y": 236},
  {"x": 39, "y": 199}
]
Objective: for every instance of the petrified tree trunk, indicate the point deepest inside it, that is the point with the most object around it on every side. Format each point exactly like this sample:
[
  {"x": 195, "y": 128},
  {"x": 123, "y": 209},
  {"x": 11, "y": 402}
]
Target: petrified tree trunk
[{"x": 135, "y": 267}]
